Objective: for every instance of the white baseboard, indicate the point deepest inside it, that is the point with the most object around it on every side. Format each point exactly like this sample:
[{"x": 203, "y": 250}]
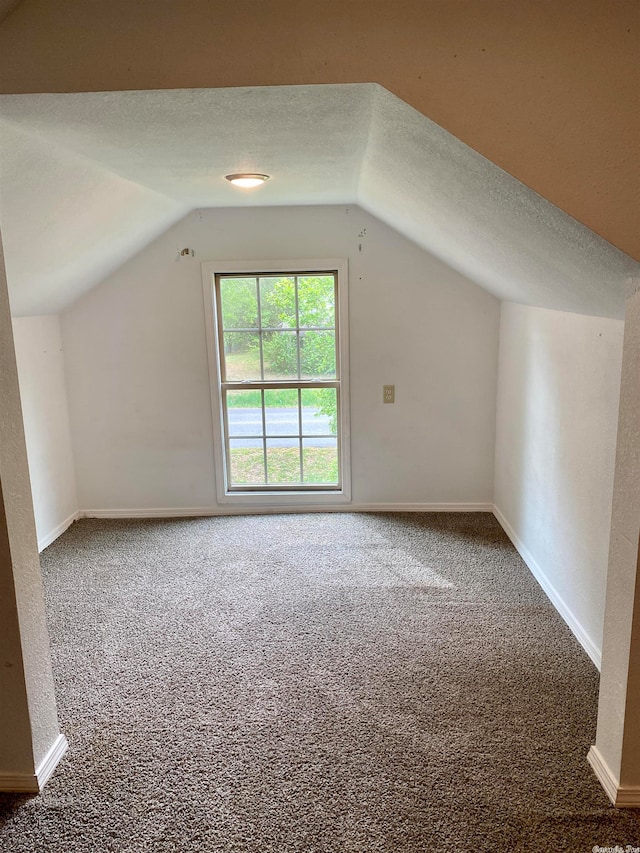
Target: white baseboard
[
  {"x": 18, "y": 783},
  {"x": 416, "y": 507},
  {"x": 253, "y": 509},
  {"x": 50, "y": 537},
  {"x": 33, "y": 783},
  {"x": 151, "y": 512},
  {"x": 594, "y": 652},
  {"x": 50, "y": 761},
  {"x": 605, "y": 776},
  {"x": 622, "y": 796}
]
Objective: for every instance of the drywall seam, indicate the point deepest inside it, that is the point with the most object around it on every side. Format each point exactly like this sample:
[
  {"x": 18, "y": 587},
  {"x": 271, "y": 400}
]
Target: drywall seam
[{"x": 577, "y": 629}]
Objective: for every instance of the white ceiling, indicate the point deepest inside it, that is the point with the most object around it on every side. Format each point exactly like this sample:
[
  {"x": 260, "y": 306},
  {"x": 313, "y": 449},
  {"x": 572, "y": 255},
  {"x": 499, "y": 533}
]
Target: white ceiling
[{"x": 87, "y": 180}]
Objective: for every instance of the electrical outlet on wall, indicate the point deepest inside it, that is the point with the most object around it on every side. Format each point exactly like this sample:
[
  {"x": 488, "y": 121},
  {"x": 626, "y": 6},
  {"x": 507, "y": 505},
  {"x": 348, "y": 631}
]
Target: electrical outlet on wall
[{"x": 388, "y": 393}]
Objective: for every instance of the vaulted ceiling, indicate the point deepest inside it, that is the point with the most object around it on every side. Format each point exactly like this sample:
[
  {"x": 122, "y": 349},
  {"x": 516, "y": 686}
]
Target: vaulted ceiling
[{"x": 88, "y": 179}]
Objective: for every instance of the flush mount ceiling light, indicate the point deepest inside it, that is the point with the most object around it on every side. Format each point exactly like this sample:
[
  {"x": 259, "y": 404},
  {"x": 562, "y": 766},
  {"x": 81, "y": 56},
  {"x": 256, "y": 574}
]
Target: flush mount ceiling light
[{"x": 247, "y": 179}]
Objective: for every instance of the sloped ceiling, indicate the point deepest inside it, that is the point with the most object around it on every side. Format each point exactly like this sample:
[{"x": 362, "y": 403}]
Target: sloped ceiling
[{"x": 87, "y": 180}]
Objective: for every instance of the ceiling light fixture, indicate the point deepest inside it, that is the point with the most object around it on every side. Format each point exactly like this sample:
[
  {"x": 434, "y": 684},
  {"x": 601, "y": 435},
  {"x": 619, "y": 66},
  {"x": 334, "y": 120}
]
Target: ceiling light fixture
[{"x": 247, "y": 180}]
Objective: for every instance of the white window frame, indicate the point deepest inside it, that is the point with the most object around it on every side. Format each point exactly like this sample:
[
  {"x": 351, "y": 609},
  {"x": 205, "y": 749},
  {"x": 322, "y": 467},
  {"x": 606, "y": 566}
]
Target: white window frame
[{"x": 318, "y": 497}]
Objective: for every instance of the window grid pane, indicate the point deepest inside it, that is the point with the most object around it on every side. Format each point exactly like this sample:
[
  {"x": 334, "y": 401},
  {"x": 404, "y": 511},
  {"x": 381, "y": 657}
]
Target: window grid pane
[
  {"x": 260, "y": 339},
  {"x": 298, "y": 327},
  {"x": 281, "y": 412},
  {"x": 320, "y": 462},
  {"x": 246, "y": 461},
  {"x": 239, "y": 303},
  {"x": 317, "y": 296},
  {"x": 281, "y": 357},
  {"x": 283, "y": 462}
]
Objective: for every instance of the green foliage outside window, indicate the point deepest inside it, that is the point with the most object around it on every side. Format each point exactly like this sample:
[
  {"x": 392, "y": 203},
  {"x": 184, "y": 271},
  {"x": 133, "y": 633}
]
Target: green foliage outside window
[{"x": 316, "y": 308}]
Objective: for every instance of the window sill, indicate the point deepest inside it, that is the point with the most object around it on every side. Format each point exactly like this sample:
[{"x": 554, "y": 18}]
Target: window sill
[{"x": 283, "y": 499}]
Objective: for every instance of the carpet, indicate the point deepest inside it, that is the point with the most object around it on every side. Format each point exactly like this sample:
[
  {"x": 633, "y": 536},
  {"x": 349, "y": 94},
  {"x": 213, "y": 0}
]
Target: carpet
[{"x": 320, "y": 683}]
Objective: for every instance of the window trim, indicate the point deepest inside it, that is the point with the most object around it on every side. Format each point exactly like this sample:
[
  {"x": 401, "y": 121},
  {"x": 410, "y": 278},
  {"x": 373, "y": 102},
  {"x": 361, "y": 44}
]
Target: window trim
[{"x": 288, "y": 497}]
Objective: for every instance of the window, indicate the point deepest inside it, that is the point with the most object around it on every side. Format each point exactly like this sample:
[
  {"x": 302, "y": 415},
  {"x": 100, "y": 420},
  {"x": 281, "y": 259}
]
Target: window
[{"x": 278, "y": 360}]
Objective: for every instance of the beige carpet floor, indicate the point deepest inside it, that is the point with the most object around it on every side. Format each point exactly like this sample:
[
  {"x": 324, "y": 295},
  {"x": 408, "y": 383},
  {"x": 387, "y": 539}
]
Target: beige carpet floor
[{"x": 326, "y": 683}]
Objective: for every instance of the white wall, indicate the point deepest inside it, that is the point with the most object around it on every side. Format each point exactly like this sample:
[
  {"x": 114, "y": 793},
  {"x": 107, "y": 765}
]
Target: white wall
[
  {"x": 43, "y": 395},
  {"x": 30, "y": 739},
  {"x": 137, "y": 374},
  {"x": 616, "y": 754},
  {"x": 557, "y": 414}
]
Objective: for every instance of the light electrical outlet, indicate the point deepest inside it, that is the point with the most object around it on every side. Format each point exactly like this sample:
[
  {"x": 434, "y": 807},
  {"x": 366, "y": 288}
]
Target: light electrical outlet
[{"x": 388, "y": 393}]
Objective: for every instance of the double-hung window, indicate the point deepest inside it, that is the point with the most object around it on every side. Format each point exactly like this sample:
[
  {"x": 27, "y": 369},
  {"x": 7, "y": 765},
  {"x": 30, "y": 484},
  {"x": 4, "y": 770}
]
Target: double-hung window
[{"x": 277, "y": 335}]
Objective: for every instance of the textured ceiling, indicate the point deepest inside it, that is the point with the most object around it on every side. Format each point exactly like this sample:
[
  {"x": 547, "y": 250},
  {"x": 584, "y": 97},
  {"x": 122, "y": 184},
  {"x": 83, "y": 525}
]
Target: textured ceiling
[
  {"x": 548, "y": 90},
  {"x": 88, "y": 179}
]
